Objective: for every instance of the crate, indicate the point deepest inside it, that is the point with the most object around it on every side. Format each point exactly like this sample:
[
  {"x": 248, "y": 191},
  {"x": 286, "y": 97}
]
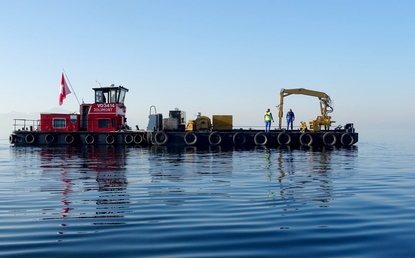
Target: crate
[{"x": 222, "y": 122}]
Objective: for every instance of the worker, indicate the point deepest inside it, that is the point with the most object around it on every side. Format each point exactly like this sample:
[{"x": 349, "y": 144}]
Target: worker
[
  {"x": 268, "y": 118},
  {"x": 290, "y": 119}
]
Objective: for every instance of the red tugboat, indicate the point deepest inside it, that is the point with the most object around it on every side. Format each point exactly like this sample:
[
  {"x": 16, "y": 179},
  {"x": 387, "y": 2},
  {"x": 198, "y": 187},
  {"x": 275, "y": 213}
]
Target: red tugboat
[{"x": 102, "y": 122}]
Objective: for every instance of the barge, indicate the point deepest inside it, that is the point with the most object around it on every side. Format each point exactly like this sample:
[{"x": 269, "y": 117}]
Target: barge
[{"x": 104, "y": 122}]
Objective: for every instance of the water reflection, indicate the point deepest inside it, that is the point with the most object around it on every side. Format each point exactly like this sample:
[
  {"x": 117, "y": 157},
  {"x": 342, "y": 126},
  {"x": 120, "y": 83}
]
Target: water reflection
[
  {"x": 88, "y": 182},
  {"x": 103, "y": 185},
  {"x": 306, "y": 173}
]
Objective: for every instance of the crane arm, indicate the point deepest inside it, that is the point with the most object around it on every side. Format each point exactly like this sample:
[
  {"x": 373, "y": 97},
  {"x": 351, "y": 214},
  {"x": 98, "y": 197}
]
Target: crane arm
[{"x": 325, "y": 101}]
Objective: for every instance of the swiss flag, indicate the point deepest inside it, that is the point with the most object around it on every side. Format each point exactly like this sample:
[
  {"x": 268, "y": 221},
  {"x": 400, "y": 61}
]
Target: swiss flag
[{"x": 64, "y": 90}]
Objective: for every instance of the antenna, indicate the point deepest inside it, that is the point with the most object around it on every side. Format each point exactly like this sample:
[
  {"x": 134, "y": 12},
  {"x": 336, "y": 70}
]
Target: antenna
[{"x": 98, "y": 82}]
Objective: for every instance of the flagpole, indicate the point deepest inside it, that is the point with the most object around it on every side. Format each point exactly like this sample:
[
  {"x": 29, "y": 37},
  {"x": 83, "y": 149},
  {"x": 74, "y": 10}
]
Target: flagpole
[{"x": 71, "y": 86}]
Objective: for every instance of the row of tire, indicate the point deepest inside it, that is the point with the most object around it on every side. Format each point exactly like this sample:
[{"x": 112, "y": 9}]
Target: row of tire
[
  {"x": 260, "y": 139},
  {"x": 89, "y": 139},
  {"x": 190, "y": 138}
]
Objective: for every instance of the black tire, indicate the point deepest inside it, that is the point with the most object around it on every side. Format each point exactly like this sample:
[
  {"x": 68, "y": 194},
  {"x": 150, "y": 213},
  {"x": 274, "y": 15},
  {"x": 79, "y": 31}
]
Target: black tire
[
  {"x": 161, "y": 138},
  {"x": 215, "y": 138},
  {"x": 30, "y": 138},
  {"x": 89, "y": 139},
  {"x": 12, "y": 138},
  {"x": 128, "y": 139},
  {"x": 138, "y": 139},
  {"x": 347, "y": 139},
  {"x": 260, "y": 139},
  {"x": 49, "y": 138},
  {"x": 69, "y": 139},
  {"x": 110, "y": 139},
  {"x": 190, "y": 138},
  {"x": 329, "y": 139},
  {"x": 284, "y": 138},
  {"x": 306, "y": 139},
  {"x": 239, "y": 139}
]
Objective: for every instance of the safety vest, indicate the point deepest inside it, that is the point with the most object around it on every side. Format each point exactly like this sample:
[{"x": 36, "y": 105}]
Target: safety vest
[{"x": 268, "y": 116}]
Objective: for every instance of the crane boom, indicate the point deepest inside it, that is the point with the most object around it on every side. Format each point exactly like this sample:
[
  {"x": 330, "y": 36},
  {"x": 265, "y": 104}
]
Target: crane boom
[{"x": 325, "y": 103}]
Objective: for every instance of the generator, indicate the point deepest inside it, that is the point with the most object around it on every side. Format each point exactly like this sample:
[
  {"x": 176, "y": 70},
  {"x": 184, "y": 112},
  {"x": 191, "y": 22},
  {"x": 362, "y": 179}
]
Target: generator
[{"x": 176, "y": 120}]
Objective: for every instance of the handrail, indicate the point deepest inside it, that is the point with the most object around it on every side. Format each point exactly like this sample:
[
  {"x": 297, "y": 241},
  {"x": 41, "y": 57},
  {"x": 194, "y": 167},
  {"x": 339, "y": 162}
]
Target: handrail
[{"x": 26, "y": 124}]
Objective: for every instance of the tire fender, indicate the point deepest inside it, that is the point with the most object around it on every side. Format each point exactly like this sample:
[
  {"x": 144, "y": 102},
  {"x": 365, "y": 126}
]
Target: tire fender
[
  {"x": 306, "y": 139},
  {"x": 161, "y": 138},
  {"x": 260, "y": 139},
  {"x": 215, "y": 138},
  {"x": 49, "y": 138},
  {"x": 69, "y": 139},
  {"x": 347, "y": 139},
  {"x": 30, "y": 138},
  {"x": 138, "y": 139},
  {"x": 89, "y": 139},
  {"x": 329, "y": 139},
  {"x": 239, "y": 138},
  {"x": 128, "y": 139},
  {"x": 190, "y": 138},
  {"x": 110, "y": 139},
  {"x": 284, "y": 138}
]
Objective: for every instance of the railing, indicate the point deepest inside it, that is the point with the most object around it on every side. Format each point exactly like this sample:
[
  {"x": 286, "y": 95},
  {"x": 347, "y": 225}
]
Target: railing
[{"x": 26, "y": 125}]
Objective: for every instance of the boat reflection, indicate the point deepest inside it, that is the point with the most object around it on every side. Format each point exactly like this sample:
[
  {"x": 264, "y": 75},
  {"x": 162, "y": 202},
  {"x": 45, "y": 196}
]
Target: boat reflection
[
  {"x": 306, "y": 173},
  {"x": 102, "y": 185}
]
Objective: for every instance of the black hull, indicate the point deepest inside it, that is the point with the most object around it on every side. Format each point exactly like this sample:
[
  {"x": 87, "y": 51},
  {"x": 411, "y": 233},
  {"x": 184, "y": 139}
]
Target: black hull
[{"x": 248, "y": 138}]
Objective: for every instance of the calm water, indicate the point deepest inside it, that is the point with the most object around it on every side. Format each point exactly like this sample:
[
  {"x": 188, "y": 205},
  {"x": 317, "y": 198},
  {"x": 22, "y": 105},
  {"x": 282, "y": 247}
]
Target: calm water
[{"x": 157, "y": 202}]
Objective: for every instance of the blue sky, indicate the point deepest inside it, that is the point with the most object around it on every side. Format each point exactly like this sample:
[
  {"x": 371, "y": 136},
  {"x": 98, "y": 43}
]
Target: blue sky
[{"x": 213, "y": 57}]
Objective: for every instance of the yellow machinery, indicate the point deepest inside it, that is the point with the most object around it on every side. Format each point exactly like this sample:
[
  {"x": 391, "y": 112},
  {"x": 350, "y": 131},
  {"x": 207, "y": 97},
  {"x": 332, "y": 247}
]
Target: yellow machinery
[
  {"x": 325, "y": 107},
  {"x": 201, "y": 123}
]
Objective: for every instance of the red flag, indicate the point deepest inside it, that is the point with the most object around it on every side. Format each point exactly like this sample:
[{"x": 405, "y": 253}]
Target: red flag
[{"x": 64, "y": 90}]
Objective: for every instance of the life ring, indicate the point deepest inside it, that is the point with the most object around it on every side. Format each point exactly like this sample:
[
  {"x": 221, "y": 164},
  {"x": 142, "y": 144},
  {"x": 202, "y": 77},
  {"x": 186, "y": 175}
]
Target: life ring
[
  {"x": 239, "y": 138},
  {"x": 260, "y": 139},
  {"x": 89, "y": 139},
  {"x": 69, "y": 139},
  {"x": 138, "y": 139},
  {"x": 215, "y": 138},
  {"x": 30, "y": 138},
  {"x": 347, "y": 139},
  {"x": 49, "y": 138},
  {"x": 110, "y": 139},
  {"x": 190, "y": 138},
  {"x": 12, "y": 138},
  {"x": 161, "y": 138},
  {"x": 284, "y": 138},
  {"x": 329, "y": 139},
  {"x": 306, "y": 139},
  {"x": 128, "y": 139}
]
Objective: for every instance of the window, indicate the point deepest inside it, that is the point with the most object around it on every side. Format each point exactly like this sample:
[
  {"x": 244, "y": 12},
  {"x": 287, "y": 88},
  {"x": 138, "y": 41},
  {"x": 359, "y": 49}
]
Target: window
[
  {"x": 103, "y": 123},
  {"x": 113, "y": 96},
  {"x": 59, "y": 123},
  {"x": 121, "y": 96},
  {"x": 98, "y": 96}
]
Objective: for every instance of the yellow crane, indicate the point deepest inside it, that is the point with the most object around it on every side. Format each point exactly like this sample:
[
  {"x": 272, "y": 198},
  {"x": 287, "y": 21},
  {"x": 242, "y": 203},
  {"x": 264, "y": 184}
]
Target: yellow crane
[{"x": 325, "y": 107}]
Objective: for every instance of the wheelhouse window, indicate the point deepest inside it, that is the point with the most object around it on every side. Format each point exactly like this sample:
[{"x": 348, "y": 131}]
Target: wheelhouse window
[
  {"x": 121, "y": 95},
  {"x": 113, "y": 97},
  {"x": 110, "y": 94},
  {"x": 59, "y": 123},
  {"x": 103, "y": 123},
  {"x": 99, "y": 97}
]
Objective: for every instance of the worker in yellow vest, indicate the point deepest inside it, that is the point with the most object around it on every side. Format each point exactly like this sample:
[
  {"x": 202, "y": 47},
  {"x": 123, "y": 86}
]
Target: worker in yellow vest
[{"x": 268, "y": 118}]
